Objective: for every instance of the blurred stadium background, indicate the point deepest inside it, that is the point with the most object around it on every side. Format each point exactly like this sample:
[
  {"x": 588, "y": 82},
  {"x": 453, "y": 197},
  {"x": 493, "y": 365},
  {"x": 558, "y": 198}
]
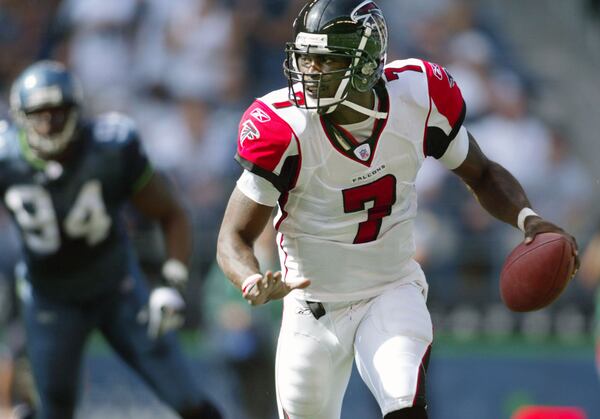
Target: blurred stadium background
[{"x": 186, "y": 69}]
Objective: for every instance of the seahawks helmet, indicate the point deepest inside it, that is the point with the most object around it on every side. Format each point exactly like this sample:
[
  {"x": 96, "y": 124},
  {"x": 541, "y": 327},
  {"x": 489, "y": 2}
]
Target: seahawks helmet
[
  {"x": 46, "y": 85},
  {"x": 350, "y": 29}
]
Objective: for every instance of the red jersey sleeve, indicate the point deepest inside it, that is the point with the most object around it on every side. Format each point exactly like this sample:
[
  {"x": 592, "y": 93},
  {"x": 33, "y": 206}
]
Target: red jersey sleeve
[
  {"x": 447, "y": 110},
  {"x": 267, "y": 145}
]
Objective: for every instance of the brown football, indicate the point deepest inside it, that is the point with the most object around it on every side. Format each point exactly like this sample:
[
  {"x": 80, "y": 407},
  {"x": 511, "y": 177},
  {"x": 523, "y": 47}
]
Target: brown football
[{"x": 534, "y": 275}]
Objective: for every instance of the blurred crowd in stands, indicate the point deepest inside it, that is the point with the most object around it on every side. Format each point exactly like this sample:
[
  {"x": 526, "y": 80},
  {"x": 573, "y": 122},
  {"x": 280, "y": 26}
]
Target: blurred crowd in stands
[{"x": 185, "y": 70}]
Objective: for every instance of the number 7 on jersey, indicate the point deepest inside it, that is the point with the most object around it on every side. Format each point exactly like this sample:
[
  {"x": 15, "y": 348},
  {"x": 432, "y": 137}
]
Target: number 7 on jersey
[{"x": 382, "y": 193}]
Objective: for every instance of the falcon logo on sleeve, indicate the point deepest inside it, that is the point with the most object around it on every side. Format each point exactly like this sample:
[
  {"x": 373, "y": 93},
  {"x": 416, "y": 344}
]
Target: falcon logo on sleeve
[
  {"x": 451, "y": 81},
  {"x": 249, "y": 131},
  {"x": 437, "y": 71}
]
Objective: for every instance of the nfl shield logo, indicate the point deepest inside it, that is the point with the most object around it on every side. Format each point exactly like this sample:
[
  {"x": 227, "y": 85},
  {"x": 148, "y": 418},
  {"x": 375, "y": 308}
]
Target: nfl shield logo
[{"x": 363, "y": 152}]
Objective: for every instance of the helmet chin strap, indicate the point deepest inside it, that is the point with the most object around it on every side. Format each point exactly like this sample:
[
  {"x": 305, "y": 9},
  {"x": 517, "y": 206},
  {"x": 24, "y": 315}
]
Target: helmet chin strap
[
  {"x": 365, "y": 111},
  {"x": 337, "y": 99}
]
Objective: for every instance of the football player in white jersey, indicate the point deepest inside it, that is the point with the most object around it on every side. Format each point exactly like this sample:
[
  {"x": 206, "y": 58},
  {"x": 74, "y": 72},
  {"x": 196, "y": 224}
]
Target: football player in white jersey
[{"x": 337, "y": 152}]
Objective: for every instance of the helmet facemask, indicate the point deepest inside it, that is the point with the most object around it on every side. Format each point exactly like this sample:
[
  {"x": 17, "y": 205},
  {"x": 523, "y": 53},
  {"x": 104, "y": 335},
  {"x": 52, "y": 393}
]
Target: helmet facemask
[
  {"x": 310, "y": 89},
  {"x": 49, "y": 145}
]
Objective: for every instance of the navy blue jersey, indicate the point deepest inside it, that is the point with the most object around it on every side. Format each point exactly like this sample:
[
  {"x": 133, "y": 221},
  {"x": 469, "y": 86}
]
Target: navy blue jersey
[{"x": 74, "y": 241}]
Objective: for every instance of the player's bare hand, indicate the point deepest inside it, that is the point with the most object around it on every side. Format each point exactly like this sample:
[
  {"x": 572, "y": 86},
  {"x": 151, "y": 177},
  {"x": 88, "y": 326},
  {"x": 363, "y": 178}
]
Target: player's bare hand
[
  {"x": 270, "y": 286},
  {"x": 535, "y": 225}
]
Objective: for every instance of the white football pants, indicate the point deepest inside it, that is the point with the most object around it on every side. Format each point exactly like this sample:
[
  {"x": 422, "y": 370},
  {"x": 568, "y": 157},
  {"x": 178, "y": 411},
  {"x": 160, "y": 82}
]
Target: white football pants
[{"x": 389, "y": 336}]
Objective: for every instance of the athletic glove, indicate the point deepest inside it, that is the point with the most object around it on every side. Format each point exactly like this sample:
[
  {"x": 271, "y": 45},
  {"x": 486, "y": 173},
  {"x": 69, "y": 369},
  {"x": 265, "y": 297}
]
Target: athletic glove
[{"x": 165, "y": 311}]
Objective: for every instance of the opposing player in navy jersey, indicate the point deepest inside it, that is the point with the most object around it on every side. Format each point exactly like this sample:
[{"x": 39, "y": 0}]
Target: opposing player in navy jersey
[
  {"x": 64, "y": 180},
  {"x": 337, "y": 152}
]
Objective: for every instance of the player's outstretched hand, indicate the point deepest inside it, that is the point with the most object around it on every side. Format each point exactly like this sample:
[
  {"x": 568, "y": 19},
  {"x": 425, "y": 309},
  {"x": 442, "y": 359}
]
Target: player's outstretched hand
[
  {"x": 536, "y": 225},
  {"x": 259, "y": 289}
]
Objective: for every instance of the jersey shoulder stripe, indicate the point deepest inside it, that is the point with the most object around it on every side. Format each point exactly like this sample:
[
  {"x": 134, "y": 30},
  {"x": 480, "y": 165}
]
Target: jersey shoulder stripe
[
  {"x": 394, "y": 69},
  {"x": 268, "y": 139},
  {"x": 407, "y": 80},
  {"x": 265, "y": 139},
  {"x": 280, "y": 103},
  {"x": 445, "y": 94},
  {"x": 424, "y": 82},
  {"x": 447, "y": 111},
  {"x": 430, "y": 87}
]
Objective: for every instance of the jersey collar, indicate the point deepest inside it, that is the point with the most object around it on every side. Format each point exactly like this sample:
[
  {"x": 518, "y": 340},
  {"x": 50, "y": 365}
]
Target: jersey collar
[{"x": 345, "y": 143}]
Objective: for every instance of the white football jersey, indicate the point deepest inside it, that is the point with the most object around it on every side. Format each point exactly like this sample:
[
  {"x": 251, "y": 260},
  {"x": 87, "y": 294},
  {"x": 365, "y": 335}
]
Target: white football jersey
[{"x": 346, "y": 208}]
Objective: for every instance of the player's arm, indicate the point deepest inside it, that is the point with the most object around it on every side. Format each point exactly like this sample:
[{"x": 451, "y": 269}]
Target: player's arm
[
  {"x": 265, "y": 146},
  {"x": 159, "y": 200},
  {"x": 150, "y": 192},
  {"x": 501, "y": 194},
  {"x": 448, "y": 141},
  {"x": 243, "y": 222}
]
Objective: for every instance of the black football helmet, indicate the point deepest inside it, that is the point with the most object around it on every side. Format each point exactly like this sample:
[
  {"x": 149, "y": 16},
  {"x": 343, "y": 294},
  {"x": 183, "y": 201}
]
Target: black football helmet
[
  {"x": 47, "y": 85},
  {"x": 352, "y": 29}
]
